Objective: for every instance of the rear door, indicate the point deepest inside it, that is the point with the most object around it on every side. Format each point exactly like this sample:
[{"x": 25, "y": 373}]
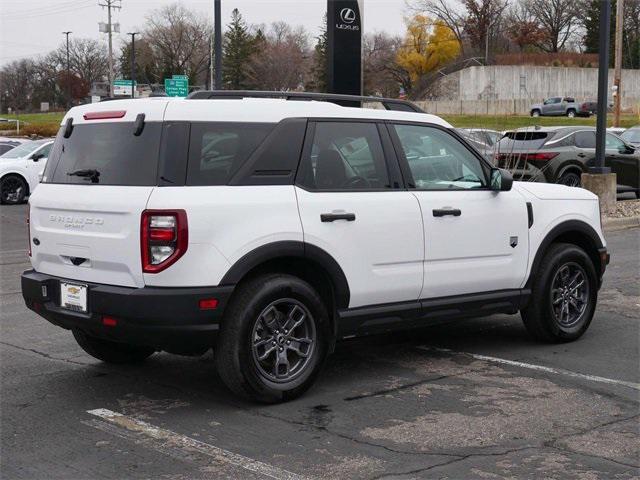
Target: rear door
[
  {"x": 476, "y": 239},
  {"x": 352, "y": 207},
  {"x": 85, "y": 216}
]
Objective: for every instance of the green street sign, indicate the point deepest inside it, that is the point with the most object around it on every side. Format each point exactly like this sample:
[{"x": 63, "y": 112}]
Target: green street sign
[
  {"x": 180, "y": 77},
  {"x": 176, "y": 87}
]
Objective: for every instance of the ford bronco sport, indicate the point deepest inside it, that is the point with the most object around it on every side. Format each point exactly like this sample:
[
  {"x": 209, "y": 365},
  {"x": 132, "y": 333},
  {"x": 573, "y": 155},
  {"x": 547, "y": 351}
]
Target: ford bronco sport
[{"x": 270, "y": 228}]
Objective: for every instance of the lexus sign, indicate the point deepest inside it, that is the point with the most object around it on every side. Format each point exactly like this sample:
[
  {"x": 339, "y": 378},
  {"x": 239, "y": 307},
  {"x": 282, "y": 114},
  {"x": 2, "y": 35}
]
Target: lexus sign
[{"x": 344, "y": 46}]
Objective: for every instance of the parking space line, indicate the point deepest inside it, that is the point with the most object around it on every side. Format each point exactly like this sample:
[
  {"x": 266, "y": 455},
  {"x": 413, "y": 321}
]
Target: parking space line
[
  {"x": 539, "y": 368},
  {"x": 190, "y": 445}
]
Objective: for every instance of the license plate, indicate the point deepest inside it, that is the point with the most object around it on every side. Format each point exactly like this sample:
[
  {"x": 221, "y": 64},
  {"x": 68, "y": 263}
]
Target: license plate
[{"x": 73, "y": 297}]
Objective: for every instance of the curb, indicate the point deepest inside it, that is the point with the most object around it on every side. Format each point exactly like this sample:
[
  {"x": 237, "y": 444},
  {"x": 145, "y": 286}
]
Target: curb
[{"x": 612, "y": 224}]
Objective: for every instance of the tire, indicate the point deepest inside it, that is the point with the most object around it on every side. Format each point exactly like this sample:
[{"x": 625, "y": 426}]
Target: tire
[
  {"x": 112, "y": 352},
  {"x": 535, "y": 113},
  {"x": 247, "y": 359},
  {"x": 541, "y": 315},
  {"x": 570, "y": 178},
  {"x": 571, "y": 113},
  {"x": 13, "y": 189}
]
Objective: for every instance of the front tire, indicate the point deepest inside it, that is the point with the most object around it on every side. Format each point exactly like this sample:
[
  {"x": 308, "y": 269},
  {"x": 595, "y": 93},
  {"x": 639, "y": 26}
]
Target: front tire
[
  {"x": 13, "y": 190},
  {"x": 112, "y": 352},
  {"x": 571, "y": 113},
  {"x": 535, "y": 113},
  {"x": 564, "y": 295},
  {"x": 274, "y": 339}
]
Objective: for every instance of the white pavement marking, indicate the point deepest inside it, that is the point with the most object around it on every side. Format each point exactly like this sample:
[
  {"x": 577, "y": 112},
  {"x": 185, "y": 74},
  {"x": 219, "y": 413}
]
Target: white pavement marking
[
  {"x": 189, "y": 444},
  {"x": 539, "y": 368}
]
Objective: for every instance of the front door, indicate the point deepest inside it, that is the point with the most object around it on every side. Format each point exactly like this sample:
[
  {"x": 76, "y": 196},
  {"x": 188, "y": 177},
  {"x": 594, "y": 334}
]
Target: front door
[
  {"x": 476, "y": 239},
  {"x": 351, "y": 207}
]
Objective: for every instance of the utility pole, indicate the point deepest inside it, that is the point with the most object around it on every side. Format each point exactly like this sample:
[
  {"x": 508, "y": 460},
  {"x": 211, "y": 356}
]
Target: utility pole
[
  {"x": 69, "y": 99},
  {"x": 110, "y": 5},
  {"x": 133, "y": 63},
  {"x": 603, "y": 86},
  {"x": 617, "y": 76},
  {"x": 218, "y": 42}
]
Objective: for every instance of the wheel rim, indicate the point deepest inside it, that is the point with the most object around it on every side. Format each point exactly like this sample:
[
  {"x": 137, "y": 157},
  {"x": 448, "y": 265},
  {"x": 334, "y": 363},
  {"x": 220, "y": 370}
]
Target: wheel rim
[
  {"x": 283, "y": 340},
  {"x": 571, "y": 114},
  {"x": 12, "y": 189},
  {"x": 570, "y": 180},
  {"x": 569, "y": 294}
]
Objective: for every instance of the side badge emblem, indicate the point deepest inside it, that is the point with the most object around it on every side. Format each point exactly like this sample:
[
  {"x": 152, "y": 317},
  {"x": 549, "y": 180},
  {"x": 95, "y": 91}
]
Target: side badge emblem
[{"x": 513, "y": 241}]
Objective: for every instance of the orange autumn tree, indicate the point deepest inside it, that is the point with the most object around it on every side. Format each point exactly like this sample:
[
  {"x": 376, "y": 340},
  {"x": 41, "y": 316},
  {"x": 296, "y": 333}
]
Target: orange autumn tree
[{"x": 428, "y": 45}]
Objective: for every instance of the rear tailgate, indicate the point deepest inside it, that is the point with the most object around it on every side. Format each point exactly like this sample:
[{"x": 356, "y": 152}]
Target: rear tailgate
[
  {"x": 90, "y": 234},
  {"x": 85, "y": 216}
]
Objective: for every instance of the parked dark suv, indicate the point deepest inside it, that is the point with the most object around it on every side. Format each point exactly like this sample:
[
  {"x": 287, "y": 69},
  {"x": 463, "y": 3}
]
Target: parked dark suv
[{"x": 561, "y": 154}]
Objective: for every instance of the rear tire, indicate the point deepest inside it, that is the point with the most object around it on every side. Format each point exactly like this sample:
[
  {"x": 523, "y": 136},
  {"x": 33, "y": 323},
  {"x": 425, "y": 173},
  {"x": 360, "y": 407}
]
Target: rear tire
[
  {"x": 274, "y": 339},
  {"x": 13, "y": 189},
  {"x": 112, "y": 352},
  {"x": 571, "y": 113},
  {"x": 559, "y": 310}
]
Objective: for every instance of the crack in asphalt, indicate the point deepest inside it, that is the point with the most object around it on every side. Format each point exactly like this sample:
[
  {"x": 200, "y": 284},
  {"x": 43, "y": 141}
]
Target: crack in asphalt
[{"x": 45, "y": 355}]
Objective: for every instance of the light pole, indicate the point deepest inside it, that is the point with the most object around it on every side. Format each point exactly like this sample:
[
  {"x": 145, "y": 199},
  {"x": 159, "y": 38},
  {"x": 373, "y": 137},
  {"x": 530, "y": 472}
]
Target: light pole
[
  {"x": 133, "y": 63},
  {"x": 69, "y": 100},
  {"x": 603, "y": 86},
  {"x": 218, "y": 42}
]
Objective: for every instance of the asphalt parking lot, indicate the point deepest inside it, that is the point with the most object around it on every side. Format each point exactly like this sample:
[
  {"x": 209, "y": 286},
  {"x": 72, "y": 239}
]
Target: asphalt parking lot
[{"x": 471, "y": 399}]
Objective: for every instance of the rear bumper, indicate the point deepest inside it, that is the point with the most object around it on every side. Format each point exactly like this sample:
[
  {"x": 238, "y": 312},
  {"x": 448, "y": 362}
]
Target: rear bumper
[{"x": 164, "y": 318}]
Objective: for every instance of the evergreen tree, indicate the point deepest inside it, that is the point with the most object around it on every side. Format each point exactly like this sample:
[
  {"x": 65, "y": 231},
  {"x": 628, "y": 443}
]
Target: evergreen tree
[
  {"x": 239, "y": 45},
  {"x": 591, "y": 23},
  {"x": 319, "y": 70}
]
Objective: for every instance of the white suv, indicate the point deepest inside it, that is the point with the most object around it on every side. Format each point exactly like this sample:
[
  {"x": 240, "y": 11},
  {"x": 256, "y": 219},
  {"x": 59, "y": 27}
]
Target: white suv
[{"x": 270, "y": 228}]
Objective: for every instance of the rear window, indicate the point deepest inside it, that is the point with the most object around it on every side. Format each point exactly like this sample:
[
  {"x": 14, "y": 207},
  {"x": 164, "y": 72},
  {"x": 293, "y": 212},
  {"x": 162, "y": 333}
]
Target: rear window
[
  {"x": 218, "y": 150},
  {"x": 523, "y": 140},
  {"x": 106, "y": 154}
]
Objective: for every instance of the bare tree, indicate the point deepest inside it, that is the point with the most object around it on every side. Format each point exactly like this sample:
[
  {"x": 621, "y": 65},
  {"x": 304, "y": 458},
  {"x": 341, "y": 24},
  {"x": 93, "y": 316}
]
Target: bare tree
[
  {"x": 382, "y": 75},
  {"x": 16, "y": 79},
  {"x": 451, "y": 12},
  {"x": 179, "y": 40},
  {"x": 281, "y": 58},
  {"x": 87, "y": 59},
  {"x": 558, "y": 19}
]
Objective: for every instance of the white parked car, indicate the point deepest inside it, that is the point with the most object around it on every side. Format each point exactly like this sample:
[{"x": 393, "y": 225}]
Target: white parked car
[
  {"x": 20, "y": 170},
  {"x": 269, "y": 229}
]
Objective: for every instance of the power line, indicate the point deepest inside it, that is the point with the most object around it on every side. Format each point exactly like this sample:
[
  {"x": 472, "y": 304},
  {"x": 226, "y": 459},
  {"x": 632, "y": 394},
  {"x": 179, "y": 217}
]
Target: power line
[{"x": 47, "y": 11}]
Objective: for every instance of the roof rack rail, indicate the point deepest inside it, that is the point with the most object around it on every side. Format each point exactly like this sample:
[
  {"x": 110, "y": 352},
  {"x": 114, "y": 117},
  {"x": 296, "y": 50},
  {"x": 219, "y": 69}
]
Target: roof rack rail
[{"x": 345, "y": 100}]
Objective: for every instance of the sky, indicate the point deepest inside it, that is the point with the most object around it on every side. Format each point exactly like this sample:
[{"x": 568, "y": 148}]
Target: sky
[{"x": 33, "y": 27}]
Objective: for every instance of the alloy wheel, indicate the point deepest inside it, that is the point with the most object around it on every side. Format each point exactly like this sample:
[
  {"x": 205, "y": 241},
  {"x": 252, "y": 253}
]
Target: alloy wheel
[
  {"x": 569, "y": 294},
  {"x": 283, "y": 340}
]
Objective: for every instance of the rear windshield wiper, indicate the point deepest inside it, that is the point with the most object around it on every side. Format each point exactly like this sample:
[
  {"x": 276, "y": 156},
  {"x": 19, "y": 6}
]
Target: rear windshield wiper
[{"x": 90, "y": 173}]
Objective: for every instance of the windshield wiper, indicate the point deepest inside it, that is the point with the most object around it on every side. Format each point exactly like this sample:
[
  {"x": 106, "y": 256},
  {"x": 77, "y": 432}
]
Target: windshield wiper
[{"x": 90, "y": 173}]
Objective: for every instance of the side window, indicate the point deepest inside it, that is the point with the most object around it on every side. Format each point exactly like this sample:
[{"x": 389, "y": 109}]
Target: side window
[
  {"x": 344, "y": 156},
  {"x": 438, "y": 161},
  {"x": 217, "y": 150},
  {"x": 45, "y": 151},
  {"x": 585, "y": 139},
  {"x": 614, "y": 143}
]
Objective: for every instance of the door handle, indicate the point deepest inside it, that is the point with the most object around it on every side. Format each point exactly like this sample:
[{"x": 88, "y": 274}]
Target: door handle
[
  {"x": 581, "y": 155},
  {"x": 442, "y": 212},
  {"x": 332, "y": 217}
]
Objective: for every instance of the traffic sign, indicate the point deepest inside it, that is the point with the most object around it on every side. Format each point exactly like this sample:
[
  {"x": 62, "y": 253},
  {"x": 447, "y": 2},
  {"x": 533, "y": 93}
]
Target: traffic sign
[
  {"x": 176, "y": 87},
  {"x": 122, "y": 87}
]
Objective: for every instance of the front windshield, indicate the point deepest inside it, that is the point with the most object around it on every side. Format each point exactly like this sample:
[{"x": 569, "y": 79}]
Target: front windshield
[{"x": 23, "y": 150}]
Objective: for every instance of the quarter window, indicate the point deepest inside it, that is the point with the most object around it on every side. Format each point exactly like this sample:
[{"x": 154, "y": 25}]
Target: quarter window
[
  {"x": 217, "y": 150},
  {"x": 439, "y": 161},
  {"x": 344, "y": 156},
  {"x": 585, "y": 139}
]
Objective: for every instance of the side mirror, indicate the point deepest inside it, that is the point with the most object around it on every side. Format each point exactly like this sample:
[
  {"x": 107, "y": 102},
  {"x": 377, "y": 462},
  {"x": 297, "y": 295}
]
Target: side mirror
[
  {"x": 501, "y": 180},
  {"x": 37, "y": 156}
]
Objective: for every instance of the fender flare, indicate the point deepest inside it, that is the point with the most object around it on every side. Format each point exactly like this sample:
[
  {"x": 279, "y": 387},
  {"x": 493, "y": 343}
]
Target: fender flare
[
  {"x": 569, "y": 226},
  {"x": 292, "y": 249}
]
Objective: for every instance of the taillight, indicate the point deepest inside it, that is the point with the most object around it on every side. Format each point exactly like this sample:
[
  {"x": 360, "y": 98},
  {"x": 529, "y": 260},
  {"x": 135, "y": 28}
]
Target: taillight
[
  {"x": 164, "y": 236},
  {"x": 540, "y": 156},
  {"x": 29, "y": 230}
]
